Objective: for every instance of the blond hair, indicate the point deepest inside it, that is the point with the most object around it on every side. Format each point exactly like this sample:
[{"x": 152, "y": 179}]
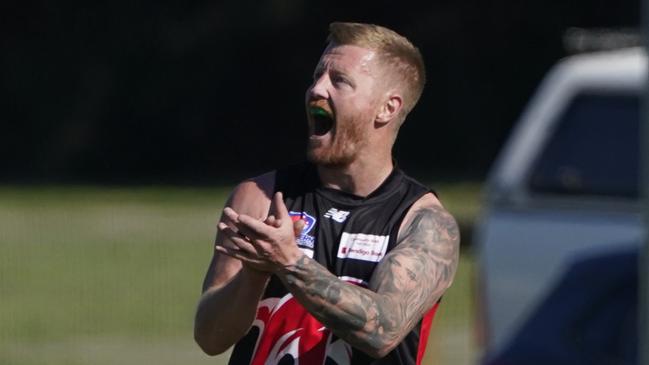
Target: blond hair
[{"x": 393, "y": 50}]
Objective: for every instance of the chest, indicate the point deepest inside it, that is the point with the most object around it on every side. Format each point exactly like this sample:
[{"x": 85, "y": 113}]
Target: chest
[{"x": 348, "y": 239}]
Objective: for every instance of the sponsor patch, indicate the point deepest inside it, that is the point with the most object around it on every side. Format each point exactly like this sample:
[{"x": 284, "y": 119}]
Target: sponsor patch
[
  {"x": 304, "y": 239},
  {"x": 360, "y": 246}
]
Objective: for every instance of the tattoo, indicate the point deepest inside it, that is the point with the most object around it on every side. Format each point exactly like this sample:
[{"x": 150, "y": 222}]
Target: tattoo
[{"x": 409, "y": 280}]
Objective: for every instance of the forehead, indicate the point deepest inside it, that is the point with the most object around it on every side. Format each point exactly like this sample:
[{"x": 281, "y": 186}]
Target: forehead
[{"x": 348, "y": 58}]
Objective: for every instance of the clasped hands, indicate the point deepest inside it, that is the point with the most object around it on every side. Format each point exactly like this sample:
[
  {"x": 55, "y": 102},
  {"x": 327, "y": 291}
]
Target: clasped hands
[{"x": 267, "y": 245}]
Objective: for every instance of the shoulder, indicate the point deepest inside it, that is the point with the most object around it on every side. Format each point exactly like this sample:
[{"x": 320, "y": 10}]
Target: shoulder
[
  {"x": 428, "y": 216},
  {"x": 429, "y": 243},
  {"x": 427, "y": 201},
  {"x": 253, "y": 196}
]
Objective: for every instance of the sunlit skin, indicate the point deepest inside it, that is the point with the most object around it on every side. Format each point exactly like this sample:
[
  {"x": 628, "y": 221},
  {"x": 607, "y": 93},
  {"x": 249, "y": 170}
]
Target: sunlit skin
[
  {"x": 355, "y": 153},
  {"x": 343, "y": 86}
]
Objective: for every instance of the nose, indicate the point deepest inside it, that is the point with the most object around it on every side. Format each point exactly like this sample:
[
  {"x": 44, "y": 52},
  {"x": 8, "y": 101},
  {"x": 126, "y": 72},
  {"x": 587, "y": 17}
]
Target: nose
[{"x": 319, "y": 87}]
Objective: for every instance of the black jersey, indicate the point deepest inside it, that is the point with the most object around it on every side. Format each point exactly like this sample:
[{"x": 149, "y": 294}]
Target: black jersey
[{"x": 348, "y": 235}]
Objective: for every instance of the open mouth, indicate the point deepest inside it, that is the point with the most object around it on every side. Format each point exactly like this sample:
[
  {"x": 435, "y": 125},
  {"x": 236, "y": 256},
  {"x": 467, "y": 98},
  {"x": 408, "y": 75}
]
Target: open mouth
[{"x": 323, "y": 121}]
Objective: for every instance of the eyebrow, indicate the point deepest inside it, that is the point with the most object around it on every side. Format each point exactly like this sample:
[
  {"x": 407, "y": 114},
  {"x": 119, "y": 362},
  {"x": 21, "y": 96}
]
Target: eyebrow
[
  {"x": 339, "y": 72},
  {"x": 319, "y": 68},
  {"x": 331, "y": 67}
]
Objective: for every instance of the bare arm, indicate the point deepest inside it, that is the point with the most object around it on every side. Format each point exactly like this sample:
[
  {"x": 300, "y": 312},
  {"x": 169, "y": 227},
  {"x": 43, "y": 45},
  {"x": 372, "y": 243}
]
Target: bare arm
[
  {"x": 406, "y": 283},
  {"x": 231, "y": 291}
]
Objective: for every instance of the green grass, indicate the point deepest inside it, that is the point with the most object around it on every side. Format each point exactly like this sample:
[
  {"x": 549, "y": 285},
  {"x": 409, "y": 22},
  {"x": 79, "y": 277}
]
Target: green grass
[{"x": 112, "y": 275}]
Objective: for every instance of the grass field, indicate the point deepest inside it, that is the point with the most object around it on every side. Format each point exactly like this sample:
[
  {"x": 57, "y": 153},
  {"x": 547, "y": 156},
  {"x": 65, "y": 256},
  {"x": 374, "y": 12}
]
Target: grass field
[{"x": 111, "y": 275}]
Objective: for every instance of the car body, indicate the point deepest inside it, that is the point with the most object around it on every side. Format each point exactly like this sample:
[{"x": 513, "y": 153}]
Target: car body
[{"x": 565, "y": 188}]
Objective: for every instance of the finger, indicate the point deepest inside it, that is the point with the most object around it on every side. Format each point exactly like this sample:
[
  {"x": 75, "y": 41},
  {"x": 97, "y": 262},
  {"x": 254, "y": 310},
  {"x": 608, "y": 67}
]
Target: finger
[
  {"x": 298, "y": 227},
  {"x": 231, "y": 214},
  {"x": 238, "y": 239},
  {"x": 225, "y": 219},
  {"x": 227, "y": 222},
  {"x": 280, "y": 208},
  {"x": 270, "y": 220},
  {"x": 245, "y": 228},
  {"x": 239, "y": 255},
  {"x": 228, "y": 230},
  {"x": 250, "y": 240},
  {"x": 253, "y": 228}
]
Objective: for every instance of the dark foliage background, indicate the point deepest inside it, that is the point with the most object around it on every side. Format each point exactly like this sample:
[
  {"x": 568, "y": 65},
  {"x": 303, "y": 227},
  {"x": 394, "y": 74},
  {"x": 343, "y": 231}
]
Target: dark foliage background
[{"x": 197, "y": 92}]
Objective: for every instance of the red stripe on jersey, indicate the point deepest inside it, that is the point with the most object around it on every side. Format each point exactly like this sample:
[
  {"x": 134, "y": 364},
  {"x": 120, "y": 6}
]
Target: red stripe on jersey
[{"x": 426, "y": 323}]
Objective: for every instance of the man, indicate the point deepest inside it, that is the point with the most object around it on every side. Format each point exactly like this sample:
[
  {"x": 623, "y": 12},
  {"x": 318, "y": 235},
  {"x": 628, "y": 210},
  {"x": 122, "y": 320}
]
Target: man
[{"x": 344, "y": 259}]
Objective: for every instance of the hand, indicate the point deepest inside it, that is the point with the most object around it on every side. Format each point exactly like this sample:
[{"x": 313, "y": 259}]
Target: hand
[
  {"x": 266, "y": 246},
  {"x": 298, "y": 225}
]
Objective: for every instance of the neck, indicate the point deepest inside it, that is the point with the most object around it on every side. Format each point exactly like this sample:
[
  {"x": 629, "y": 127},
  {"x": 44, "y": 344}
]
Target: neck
[{"x": 360, "y": 177}]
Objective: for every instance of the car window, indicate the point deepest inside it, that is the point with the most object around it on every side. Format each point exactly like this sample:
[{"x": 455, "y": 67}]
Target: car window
[{"x": 594, "y": 150}]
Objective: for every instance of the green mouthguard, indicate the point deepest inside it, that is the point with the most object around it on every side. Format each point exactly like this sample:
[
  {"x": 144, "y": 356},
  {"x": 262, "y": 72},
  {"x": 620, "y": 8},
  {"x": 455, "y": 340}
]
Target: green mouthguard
[{"x": 317, "y": 111}]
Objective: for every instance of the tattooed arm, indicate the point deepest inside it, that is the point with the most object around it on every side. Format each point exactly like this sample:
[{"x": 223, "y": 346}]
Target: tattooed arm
[{"x": 407, "y": 282}]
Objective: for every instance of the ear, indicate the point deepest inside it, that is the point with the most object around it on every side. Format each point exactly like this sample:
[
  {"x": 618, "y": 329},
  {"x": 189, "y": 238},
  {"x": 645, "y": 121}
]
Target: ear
[{"x": 390, "y": 108}]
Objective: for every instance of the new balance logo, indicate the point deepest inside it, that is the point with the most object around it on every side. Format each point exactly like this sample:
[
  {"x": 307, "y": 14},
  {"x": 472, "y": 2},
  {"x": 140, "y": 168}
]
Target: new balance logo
[{"x": 337, "y": 215}]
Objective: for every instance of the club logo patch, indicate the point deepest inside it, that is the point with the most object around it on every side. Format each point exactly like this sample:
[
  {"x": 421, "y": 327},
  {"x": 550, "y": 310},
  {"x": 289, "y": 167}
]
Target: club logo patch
[
  {"x": 305, "y": 239},
  {"x": 360, "y": 246}
]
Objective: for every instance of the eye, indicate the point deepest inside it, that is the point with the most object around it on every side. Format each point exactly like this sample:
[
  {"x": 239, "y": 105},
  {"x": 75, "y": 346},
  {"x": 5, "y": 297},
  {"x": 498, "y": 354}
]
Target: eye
[
  {"x": 340, "y": 79},
  {"x": 337, "y": 79}
]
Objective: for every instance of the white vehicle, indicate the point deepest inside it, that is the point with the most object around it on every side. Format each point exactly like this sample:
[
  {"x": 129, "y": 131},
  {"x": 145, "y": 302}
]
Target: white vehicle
[{"x": 564, "y": 188}]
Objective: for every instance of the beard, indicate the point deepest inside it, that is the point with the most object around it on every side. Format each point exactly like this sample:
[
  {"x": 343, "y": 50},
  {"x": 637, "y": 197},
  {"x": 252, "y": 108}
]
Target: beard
[{"x": 348, "y": 139}]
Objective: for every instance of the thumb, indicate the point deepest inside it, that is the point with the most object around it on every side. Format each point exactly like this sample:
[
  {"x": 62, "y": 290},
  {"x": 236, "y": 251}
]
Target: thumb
[{"x": 280, "y": 208}]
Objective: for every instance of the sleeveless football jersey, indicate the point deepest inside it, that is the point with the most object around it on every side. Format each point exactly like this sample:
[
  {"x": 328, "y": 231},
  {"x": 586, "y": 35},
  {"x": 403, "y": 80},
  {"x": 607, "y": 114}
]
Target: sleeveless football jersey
[{"x": 348, "y": 235}]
